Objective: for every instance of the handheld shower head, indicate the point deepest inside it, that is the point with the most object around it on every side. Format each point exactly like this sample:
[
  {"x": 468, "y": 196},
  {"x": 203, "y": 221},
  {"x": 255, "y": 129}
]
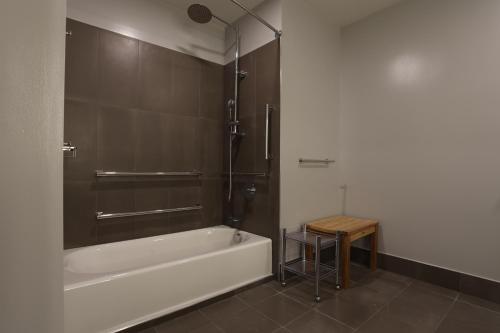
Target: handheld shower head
[{"x": 200, "y": 13}]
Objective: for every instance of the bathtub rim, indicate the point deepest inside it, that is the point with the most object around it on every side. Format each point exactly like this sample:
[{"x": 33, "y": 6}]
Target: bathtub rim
[{"x": 98, "y": 278}]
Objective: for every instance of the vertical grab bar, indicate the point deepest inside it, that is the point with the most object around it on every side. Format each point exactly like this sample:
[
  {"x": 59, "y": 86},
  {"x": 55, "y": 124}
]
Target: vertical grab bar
[{"x": 269, "y": 108}]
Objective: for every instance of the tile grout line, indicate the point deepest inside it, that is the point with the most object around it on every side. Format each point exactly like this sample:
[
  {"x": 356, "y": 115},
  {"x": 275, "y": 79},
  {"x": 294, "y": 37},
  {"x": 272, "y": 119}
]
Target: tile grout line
[
  {"x": 281, "y": 291},
  {"x": 237, "y": 296},
  {"x": 315, "y": 309},
  {"x": 256, "y": 309},
  {"x": 384, "y": 306},
  {"x": 446, "y": 313},
  {"x": 211, "y": 321},
  {"x": 478, "y": 306},
  {"x": 423, "y": 286},
  {"x": 296, "y": 319},
  {"x": 334, "y": 319},
  {"x": 281, "y": 328}
]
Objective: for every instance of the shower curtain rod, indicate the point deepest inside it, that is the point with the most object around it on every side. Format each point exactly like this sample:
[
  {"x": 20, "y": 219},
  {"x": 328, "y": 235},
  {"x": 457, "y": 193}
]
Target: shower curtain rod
[{"x": 277, "y": 32}]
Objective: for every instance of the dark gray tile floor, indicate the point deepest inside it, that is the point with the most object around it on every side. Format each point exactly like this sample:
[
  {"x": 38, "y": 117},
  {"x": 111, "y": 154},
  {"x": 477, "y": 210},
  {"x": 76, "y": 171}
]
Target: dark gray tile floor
[{"x": 377, "y": 302}]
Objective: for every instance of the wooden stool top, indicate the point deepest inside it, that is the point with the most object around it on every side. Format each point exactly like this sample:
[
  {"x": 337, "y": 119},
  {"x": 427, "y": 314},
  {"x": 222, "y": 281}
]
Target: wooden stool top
[{"x": 347, "y": 224}]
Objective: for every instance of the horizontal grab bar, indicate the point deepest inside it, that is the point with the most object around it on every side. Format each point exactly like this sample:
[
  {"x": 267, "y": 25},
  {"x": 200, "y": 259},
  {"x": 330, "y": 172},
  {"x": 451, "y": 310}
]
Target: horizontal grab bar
[
  {"x": 309, "y": 160},
  {"x": 256, "y": 174},
  {"x": 101, "y": 173},
  {"x": 103, "y": 216}
]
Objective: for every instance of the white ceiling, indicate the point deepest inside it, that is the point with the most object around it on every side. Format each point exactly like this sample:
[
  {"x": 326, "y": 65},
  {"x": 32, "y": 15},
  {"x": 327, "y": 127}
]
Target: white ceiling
[
  {"x": 344, "y": 12},
  {"x": 338, "y": 12},
  {"x": 222, "y": 8}
]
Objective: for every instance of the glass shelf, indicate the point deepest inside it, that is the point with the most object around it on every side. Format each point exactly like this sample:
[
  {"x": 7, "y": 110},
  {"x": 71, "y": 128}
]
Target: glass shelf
[
  {"x": 306, "y": 268},
  {"x": 309, "y": 238}
]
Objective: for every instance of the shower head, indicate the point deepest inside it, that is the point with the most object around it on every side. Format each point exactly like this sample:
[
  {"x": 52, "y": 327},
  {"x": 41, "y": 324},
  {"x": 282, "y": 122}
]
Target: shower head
[
  {"x": 200, "y": 13},
  {"x": 203, "y": 14}
]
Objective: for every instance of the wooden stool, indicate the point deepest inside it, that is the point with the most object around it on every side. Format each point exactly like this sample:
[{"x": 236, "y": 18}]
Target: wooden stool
[{"x": 353, "y": 229}]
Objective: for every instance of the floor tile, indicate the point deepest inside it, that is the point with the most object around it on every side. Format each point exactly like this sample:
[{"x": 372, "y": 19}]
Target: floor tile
[
  {"x": 257, "y": 294},
  {"x": 386, "y": 275},
  {"x": 281, "y": 308},
  {"x": 207, "y": 328},
  {"x": 375, "y": 297},
  {"x": 315, "y": 322},
  {"x": 148, "y": 330},
  {"x": 186, "y": 323},
  {"x": 415, "y": 310},
  {"x": 359, "y": 272},
  {"x": 282, "y": 330},
  {"x": 385, "y": 322},
  {"x": 305, "y": 291},
  {"x": 290, "y": 283},
  {"x": 329, "y": 285},
  {"x": 386, "y": 286},
  {"x": 351, "y": 312},
  {"x": 435, "y": 289},
  {"x": 223, "y": 309},
  {"x": 479, "y": 302},
  {"x": 466, "y": 318},
  {"x": 379, "y": 302},
  {"x": 356, "y": 305},
  {"x": 248, "y": 320}
]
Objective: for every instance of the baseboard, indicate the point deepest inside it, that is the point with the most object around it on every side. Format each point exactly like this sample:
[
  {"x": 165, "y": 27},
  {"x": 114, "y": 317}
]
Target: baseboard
[{"x": 467, "y": 284}]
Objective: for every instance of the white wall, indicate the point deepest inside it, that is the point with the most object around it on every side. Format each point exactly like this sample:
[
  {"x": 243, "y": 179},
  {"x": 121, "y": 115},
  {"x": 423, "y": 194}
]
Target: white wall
[
  {"x": 421, "y": 130},
  {"x": 154, "y": 21},
  {"x": 31, "y": 134},
  {"x": 253, "y": 34},
  {"x": 309, "y": 115}
]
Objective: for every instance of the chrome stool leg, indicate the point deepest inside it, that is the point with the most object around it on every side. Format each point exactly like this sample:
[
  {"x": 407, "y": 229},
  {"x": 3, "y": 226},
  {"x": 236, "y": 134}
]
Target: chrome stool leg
[
  {"x": 283, "y": 257},
  {"x": 317, "y": 268},
  {"x": 338, "y": 245}
]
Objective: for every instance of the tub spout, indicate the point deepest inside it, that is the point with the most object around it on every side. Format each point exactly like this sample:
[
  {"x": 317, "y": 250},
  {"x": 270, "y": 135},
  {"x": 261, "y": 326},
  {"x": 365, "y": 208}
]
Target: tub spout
[{"x": 237, "y": 237}]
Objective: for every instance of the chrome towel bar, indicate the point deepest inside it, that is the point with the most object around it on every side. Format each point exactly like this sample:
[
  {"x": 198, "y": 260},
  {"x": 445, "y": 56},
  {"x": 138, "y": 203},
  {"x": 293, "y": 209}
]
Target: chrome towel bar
[
  {"x": 102, "y": 173},
  {"x": 309, "y": 160},
  {"x": 103, "y": 216}
]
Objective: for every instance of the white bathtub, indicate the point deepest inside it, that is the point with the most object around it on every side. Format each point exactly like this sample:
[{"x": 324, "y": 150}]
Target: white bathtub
[{"x": 113, "y": 286}]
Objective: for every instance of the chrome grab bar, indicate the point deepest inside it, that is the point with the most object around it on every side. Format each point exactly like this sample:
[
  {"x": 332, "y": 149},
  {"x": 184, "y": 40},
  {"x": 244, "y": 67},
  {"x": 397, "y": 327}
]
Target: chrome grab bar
[
  {"x": 103, "y": 216},
  {"x": 256, "y": 174},
  {"x": 269, "y": 108},
  {"x": 310, "y": 160},
  {"x": 102, "y": 173}
]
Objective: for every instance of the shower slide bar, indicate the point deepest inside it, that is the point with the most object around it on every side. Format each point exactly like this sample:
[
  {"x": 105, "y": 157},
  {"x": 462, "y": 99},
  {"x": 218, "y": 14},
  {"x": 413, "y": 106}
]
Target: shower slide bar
[
  {"x": 310, "y": 160},
  {"x": 101, "y": 173},
  {"x": 269, "y": 109},
  {"x": 103, "y": 216}
]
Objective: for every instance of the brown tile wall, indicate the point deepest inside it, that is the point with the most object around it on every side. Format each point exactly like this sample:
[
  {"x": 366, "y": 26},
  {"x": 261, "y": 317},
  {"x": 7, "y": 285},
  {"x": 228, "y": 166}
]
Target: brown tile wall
[
  {"x": 134, "y": 106},
  {"x": 260, "y": 87}
]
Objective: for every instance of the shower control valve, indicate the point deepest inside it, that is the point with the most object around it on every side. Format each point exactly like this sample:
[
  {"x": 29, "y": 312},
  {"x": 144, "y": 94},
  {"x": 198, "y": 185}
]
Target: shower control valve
[
  {"x": 242, "y": 74},
  {"x": 68, "y": 147}
]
